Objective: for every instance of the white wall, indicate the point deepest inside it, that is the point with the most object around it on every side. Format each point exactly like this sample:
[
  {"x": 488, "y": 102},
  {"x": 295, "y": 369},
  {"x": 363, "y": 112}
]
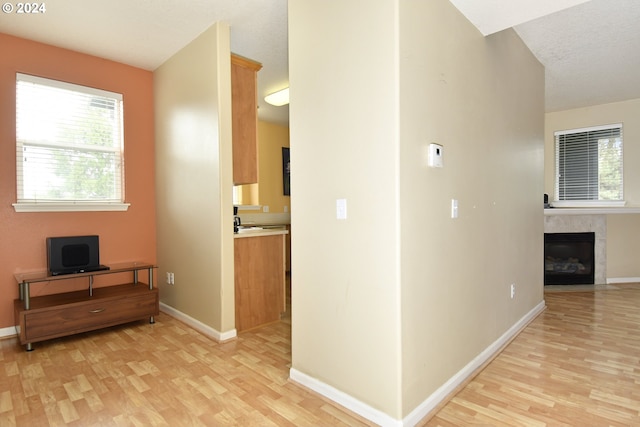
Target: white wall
[
  {"x": 394, "y": 301},
  {"x": 194, "y": 180}
]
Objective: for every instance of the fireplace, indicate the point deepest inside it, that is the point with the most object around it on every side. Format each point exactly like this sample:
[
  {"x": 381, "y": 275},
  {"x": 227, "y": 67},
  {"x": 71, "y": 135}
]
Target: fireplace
[{"x": 569, "y": 258}]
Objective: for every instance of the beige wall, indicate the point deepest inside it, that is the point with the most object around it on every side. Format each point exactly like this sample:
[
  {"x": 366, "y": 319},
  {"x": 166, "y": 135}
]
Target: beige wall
[
  {"x": 271, "y": 138},
  {"x": 483, "y": 100},
  {"x": 392, "y": 302},
  {"x": 622, "y": 246},
  {"x": 627, "y": 113},
  {"x": 344, "y": 144},
  {"x": 194, "y": 179}
]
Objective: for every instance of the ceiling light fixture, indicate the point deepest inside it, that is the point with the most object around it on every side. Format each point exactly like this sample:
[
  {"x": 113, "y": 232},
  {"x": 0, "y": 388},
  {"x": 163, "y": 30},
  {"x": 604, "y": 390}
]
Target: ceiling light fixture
[{"x": 278, "y": 98}]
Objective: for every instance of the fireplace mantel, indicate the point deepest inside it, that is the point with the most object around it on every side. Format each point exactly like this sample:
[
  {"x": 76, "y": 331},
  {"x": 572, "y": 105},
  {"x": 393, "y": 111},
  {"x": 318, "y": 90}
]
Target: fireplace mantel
[{"x": 592, "y": 211}]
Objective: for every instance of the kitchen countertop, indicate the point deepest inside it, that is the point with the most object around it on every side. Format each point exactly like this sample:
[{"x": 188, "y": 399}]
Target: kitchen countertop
[
  {"x": 258, "y": 232},
  {"x": 264, "y": 224}
]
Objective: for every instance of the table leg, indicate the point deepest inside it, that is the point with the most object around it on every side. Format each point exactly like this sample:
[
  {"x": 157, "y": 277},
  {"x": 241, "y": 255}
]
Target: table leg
[{"x": 27, "y": 297}]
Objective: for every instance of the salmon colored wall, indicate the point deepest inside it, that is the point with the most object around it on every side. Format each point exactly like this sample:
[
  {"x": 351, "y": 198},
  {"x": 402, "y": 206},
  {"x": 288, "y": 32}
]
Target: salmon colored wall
[{"x": 124, "y": 236}]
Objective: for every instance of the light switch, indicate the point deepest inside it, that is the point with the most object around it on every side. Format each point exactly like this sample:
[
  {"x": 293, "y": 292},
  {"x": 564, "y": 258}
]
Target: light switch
[
  {"x": 341, "y": 208},
  {"x": 454, "y": 208}
]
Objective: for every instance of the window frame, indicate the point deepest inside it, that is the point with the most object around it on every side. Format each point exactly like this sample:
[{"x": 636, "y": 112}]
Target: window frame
[
  {"x": 585, "y": 203},
  {"x": 72, "y": 205}
]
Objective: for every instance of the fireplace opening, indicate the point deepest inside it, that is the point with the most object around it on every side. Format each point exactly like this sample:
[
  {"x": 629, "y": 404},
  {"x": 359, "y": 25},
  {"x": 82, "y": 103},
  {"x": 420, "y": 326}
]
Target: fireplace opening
[{"x": 569, "y": 258}]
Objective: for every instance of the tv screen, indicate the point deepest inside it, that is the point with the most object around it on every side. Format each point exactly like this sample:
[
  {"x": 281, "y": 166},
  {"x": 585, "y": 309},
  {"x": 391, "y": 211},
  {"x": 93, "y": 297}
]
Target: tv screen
[{"x": 73, "y": 254}]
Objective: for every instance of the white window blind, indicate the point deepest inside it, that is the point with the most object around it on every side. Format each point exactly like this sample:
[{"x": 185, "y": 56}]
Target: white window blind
[
  {"x": 589, "y": 164},
  {"x": 69, "y": 143}
]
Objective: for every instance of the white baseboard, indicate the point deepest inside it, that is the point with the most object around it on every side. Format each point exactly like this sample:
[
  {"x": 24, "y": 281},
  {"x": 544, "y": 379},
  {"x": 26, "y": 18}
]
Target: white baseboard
[
  {"x": 342, "y": 398},
  {"x": 8, "y": 332},
  {"x": 612, "y": 280},
  {"x": 198, "y": 325},
  {"x": 432, "y": 401},
  {"x": 470, "y": 369}
]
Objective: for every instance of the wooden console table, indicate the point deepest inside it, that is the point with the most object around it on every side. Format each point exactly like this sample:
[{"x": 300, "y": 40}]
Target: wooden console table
[{"x": 51, "y": 316}]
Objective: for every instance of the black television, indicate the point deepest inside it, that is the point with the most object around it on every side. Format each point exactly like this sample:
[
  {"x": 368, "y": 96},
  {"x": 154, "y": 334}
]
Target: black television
[{"x": 73, "y": 254}]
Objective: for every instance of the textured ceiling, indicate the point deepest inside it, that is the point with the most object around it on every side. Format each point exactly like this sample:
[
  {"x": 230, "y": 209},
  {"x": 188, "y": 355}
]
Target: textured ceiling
[
  {"x": 491, "y": 16},
  {"x": 591, "y": 53},
  {"x": 590, "y": 49},
  {"x": 145, "y": 33}
]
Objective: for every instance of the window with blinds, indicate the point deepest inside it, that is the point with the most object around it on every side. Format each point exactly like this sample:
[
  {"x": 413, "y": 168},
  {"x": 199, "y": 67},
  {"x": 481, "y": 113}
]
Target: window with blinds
[
  {"x": 589, "y": 164},
  {"x": 69, "y": 143}
]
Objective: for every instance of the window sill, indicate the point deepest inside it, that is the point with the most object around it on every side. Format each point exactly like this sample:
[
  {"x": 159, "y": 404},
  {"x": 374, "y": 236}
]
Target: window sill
[
  {"x": 588, "y": 203},
  {"x": 71, "y": 207}
]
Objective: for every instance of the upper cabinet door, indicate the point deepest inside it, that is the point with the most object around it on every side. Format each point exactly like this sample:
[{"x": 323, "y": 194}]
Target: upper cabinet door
[{"x": 244, "y": 100}]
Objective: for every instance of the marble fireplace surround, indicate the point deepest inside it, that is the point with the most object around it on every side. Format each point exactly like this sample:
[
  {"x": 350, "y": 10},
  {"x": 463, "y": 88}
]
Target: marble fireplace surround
[{"x": 584, "y": 224}]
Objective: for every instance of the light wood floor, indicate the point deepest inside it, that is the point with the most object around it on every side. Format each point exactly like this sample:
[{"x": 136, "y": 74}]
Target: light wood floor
[
  {"x": 165, "y": 374},
  {"x": 577, "y": 364}
]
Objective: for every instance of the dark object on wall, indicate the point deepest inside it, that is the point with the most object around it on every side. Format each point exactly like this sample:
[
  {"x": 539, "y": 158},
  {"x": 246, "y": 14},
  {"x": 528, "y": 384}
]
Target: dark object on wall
[
  {"x": 236, "y": 220},
  {"x": 73, "y": 254},
  {"x": 286, "y": 171},
  {"x": 546, "y": 201},
  {"x": 569, "y": 258}
]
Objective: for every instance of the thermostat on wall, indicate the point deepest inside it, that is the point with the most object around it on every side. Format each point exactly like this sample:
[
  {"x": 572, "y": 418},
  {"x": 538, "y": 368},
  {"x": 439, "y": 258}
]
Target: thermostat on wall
[{"x": 435, "y": 156}]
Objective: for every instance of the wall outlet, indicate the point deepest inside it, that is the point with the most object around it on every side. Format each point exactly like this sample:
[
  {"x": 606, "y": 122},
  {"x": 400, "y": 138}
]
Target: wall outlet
[
  {"x": 171, "y": 280},
  {"x": 513, "y": 290}
]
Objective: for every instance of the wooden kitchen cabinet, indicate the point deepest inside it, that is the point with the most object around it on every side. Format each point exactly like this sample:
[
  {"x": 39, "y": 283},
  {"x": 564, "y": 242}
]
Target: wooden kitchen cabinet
[
  {"x": 259, "y": 280},
  {"x": 244, "y": 110}
]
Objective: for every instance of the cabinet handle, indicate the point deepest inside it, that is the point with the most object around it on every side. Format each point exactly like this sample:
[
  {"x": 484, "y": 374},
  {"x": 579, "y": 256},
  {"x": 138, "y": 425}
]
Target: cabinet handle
[{"x": 97, "y": 310}]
